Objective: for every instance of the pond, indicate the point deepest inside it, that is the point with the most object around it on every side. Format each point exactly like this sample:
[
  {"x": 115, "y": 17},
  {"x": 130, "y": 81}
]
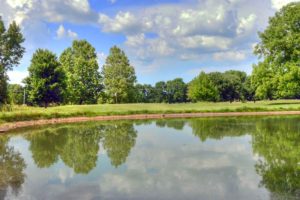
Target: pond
[{"x": 205, "y": 158}]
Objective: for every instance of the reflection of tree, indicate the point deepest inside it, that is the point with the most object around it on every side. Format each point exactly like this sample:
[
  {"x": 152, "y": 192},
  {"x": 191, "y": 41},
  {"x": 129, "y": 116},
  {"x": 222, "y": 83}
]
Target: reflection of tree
[
  {"x": 118, "y": 140},
  {"x": 278, "y": 142},
  {"x": 78, "y": 145},
  {"x": 171, "y": 123},
  {"x": 12, "y": 167},
  {"x": 217, "y": 128},
  {"x": 81, "y": 149},
  {"x": 46, "y": 146}
]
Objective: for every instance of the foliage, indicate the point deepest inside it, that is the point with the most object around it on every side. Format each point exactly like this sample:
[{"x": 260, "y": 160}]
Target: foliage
[
  {"x": 16, "y": 94},
  {"x": 81, "y": 67},
  {"x": 11, "y": 52},
  {"x": 119, "y": 76},
  {"x": 202, "y": 88},
  {"x": 46, "y": 81},
  {"x": 176, "y": 91},
  {"x": 277, "y": 75}
]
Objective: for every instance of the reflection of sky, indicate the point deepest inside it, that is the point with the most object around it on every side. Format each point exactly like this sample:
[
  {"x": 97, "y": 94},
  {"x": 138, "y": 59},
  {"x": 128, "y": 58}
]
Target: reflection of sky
[{"x": 164, "y": 164}]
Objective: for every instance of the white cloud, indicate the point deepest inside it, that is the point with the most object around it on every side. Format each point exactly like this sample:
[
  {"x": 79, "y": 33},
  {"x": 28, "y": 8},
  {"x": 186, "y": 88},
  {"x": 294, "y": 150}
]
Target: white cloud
[
  {"x": 190, "y": 31},
  {"x": 230, "y": 55},
  {"x": 63, "y": 33},
  {"x": 246, "y": 24},
  {"x": 16, "y": 77},
  {"x": 277, "y": 4}
]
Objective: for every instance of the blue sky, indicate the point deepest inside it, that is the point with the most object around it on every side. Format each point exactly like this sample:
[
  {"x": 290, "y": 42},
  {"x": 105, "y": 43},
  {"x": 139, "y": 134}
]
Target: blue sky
[{"x": 163, "y": 39}]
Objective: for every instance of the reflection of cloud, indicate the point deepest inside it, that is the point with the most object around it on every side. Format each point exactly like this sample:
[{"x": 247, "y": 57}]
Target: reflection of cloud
[
  {"x": 212, "y": 170},
  {"x": 65, "y": 174}
]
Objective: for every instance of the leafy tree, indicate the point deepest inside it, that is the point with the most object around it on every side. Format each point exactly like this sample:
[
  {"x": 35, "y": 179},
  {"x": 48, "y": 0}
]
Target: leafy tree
[
  {"x": 46, "y": 81},
  {"x": 230, "y": 84},
  {"x": 81, "y": 67},
  {"x": 119, "y": 76},
  {"x": 161, "y": 92},
  {"x": 11, "y": 52},
  {"x": 144, "y": 93},
  {"x": 176, "y": 91},
  {"x": 202, "y": 88},
  {"x": 277, "y": 75},
  {"x": 15, "y": 93}
]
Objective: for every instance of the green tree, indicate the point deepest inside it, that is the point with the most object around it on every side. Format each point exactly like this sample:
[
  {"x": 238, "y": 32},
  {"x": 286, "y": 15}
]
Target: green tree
[
  {"x": 202, "y": 88},
  {"x": 46, "y": 81},
  {"x": 277, "y": 75},
  {"x": 144, "y": 93},
  {"x": 160, "y": 92},
  {"x": 81, "y": 67},
  {"x": 11, "y": 52},
  {"x": 119, "y": 76},
  {"x": 176, "y": 91},
  {"x": 15, "y": 93}
]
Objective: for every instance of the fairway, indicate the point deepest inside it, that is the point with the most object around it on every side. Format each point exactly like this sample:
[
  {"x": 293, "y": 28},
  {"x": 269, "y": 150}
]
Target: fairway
[{"x": 23, "y": 113}]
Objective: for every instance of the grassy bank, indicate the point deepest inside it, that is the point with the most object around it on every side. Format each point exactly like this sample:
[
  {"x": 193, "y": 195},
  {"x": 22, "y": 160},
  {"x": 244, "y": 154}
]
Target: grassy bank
[{"x": 23, "y": 113}]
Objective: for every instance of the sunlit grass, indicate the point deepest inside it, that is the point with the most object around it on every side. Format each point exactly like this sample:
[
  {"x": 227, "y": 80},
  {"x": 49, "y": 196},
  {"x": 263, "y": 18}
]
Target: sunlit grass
[{"x": 20, "y": 113}]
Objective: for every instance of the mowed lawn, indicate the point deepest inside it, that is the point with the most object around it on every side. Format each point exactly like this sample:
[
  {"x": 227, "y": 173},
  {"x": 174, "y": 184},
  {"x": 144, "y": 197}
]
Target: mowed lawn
[{"x": 20, "y": 113}]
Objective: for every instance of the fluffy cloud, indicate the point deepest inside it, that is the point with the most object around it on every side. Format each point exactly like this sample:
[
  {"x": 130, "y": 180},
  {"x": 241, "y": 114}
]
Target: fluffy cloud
[
  {"x": 189, "y": 30},
  {"x": 229, "y": 55},
  {"x": 63, "y": 33},
  {"x": 277, "y": 4},
  {"x": 75, "y": 11}
]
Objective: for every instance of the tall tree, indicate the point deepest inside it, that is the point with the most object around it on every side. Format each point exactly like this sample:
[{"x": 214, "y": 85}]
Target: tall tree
[
  {"x": 278, "y": 74},
  {"x": 11, "y": 52},
  {"x": 46, "y": 81},
  {"x": 81, "y": 67},
  {"x": 176, "y": 91},
  {"x": 202, "y": 88},
  {"x": 119, "y": 76}
]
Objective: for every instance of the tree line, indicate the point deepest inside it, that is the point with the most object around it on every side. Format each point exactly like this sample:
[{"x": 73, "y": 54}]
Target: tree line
[{"x": 75, "y": 77}]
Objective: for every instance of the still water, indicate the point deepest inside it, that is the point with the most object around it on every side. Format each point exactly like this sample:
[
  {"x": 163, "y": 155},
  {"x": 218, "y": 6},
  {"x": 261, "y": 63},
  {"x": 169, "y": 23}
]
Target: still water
[{"x": 208, "y": 158}]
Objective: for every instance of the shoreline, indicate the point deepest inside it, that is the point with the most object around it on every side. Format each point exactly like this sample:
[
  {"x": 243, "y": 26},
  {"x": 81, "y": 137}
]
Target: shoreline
[{"x": 22, "y": 124}]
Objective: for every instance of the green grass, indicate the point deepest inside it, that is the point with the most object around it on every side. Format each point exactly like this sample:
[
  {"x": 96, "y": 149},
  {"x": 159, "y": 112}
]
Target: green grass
[{"x": 23, "y": 113}]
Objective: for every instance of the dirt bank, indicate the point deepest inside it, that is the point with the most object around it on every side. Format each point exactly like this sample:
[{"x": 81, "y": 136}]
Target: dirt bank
[{"x": 14, "y": 125}]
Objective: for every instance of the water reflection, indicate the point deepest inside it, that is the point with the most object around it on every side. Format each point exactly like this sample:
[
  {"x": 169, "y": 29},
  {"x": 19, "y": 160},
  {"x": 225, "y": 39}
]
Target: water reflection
[
  {"x": 78, "y": 146},
  {"x": 237, "y": 158},
  {"x": 12, "y": 167}
]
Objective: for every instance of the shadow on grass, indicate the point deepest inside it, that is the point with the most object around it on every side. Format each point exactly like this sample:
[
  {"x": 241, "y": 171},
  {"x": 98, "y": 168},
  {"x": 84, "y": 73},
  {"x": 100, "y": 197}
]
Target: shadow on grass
[{"x": 284, "y": 103}]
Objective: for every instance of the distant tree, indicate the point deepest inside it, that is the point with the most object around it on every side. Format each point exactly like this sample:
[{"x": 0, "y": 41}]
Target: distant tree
[
  {"x": 160, "y": 90},
  {"x": 11, "y": 52},
  {"x": 230, "y": 84},
  {"x": 202, "y": 88},
  {"x": 15, "y": 93},
  {"x": 278, "y": 74},
  {"x": 46, "y": 81},
  {"x": 176, "y": 91},
  {"x": 81, "y": 67},
  {"x": 144, "y": 93},
  {"x": 119, "y": 76}
]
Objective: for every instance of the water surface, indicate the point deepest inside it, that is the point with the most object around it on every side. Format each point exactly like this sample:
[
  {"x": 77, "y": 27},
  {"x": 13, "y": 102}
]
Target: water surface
[{"x": 208, "y": 158}]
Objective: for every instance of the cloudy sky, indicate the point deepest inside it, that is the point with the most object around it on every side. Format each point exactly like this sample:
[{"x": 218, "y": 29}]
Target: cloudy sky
[{"x": 163, "y": 39}]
